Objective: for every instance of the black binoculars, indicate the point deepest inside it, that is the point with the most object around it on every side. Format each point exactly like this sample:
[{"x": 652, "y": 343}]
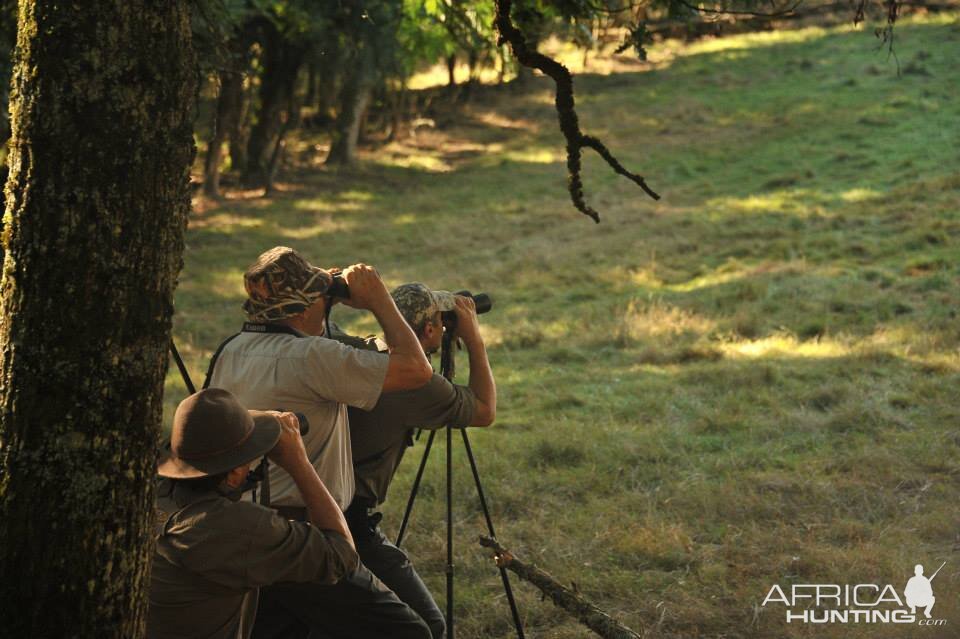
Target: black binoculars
[
  {"x": 304, "y": 423},
  {"x": 338, "y": 287}
]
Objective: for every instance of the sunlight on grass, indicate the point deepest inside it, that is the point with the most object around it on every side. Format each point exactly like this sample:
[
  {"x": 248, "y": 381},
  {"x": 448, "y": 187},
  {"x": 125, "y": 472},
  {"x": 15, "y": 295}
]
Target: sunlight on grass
[
  {"x": 785, "y": 345},
  {"x": 225, "y": 221},
  {"x": 798, "y": 202},
  {"x": 423, "y": 161},
  {"x": 646, "y": 320},
  {"x": 534, "y": 156},
  {"x": 326, "y": 205},
  {"x": 762, "y": 39},
  {"x": 860, "y": 195}
]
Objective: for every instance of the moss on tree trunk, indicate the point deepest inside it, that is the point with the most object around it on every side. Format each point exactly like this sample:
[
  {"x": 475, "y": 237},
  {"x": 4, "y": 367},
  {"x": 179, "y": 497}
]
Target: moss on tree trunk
[{"x": 97, "y": 199}]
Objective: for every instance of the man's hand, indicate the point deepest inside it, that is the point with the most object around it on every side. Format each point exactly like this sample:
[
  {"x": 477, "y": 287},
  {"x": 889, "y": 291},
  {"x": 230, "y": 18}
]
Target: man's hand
[
  {"x": 289, "y": 451},
  {"x": 468, "y": 325},
  {"x": 367, "y": 290}
]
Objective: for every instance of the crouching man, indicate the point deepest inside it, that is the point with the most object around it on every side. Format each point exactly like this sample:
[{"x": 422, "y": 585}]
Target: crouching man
[{"x": 214, "y": 551}]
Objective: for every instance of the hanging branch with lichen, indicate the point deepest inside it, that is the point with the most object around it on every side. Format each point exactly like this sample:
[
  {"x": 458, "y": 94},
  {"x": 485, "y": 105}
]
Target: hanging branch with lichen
[{"x": 569, "y": 122}]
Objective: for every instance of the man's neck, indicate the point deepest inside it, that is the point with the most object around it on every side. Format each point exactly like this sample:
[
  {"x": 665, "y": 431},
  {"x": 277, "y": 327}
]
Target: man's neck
[{"x": 298, "y": 324}]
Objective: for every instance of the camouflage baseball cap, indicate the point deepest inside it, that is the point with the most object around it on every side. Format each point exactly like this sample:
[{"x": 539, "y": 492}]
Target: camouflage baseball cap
[
  {"x": 417, "y": 303},
  {"x": 281, "y": 284}
]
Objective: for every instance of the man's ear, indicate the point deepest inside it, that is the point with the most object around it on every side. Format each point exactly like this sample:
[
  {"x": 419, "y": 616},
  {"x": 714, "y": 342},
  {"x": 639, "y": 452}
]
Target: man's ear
[{"x": 237, "y": 476}]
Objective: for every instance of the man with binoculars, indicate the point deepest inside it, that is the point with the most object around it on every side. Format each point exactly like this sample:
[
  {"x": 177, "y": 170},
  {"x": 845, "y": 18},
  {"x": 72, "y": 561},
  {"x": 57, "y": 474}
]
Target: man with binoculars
[
  {"x": 214, "y": 551},
  {"x": 281, "y": 360},
  {"x": 380, "y": 436}
]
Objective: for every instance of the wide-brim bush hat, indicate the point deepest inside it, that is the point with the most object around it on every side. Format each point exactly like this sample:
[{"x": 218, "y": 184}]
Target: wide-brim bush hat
[{"x": 213, "y": 433}]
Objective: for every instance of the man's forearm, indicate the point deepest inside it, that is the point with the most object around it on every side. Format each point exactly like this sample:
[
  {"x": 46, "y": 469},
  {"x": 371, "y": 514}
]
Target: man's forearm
[
  {"x": 322, "y": 510},
  {"x": 481, "y": 382},
  {"x": 396, "y": 332},
  {"x": 409, "y": 366}
]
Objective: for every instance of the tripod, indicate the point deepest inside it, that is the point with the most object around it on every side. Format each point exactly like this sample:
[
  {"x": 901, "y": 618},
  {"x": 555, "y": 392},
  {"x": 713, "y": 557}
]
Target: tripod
[{"x": 447, "y": 370}]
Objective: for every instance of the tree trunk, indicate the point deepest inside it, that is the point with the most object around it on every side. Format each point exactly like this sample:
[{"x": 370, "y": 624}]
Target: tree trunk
[
  {"x": 239, "y": 134},
  {"x": 291, "y": 121},
  {"x": 229, "y": 104},
  {"x": 354, "y": 98},
  {"x": 281, "y": 64},
  {"x": 451, "y": 71},
  {"x": 97, "y": 201}
]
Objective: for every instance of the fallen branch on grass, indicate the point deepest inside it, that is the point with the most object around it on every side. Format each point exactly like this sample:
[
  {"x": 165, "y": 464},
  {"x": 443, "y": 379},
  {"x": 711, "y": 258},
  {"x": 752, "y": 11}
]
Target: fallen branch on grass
[
  {"x": 569, "y": 123},
  {"x": 573, "y": 602}
]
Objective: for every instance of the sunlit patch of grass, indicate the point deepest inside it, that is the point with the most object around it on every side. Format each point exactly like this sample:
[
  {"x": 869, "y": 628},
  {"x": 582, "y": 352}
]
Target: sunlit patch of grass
[{"x": 786, "y": 345}]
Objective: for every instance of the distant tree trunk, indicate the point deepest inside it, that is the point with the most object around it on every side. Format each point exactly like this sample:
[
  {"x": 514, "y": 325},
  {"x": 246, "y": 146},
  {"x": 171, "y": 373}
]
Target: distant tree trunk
[
  {"x": 327, "y": 86},
  {"x": 239, "y": 134},
  {"x": 451, "y": 71},
  {"x": 97, "y": 201},
  {"x": 291, "y": 120},
  {"x": 281, "y": 64},
  {"x": 312, "y": 85},
  {"x": 229, "y": 106},
  {"x": 354, "y": 98}
]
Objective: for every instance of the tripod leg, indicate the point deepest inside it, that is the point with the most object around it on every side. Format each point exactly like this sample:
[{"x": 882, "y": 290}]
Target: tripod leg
[
  {"x": 415, "y": 488},
  {"x": 486, "y": 513},
  {"x": 449, "y": 533}
]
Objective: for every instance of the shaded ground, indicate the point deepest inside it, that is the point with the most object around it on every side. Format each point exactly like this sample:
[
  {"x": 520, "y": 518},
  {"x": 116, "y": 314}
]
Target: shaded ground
[{"x": 753, "y": 381}]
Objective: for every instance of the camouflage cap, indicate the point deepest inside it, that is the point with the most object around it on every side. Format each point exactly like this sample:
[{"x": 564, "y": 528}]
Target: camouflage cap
[
  {"x": 417, "y": 303},
  {"x": 281, "y": 284}
]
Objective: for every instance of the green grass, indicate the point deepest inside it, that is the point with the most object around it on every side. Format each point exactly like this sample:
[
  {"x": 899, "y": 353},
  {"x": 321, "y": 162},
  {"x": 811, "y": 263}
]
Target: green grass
[{"x": 752, "y": 381}]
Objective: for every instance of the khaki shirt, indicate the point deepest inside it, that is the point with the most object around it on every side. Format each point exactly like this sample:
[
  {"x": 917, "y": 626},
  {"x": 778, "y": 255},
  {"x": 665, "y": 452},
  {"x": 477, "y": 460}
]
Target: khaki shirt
[
  {"x": 380, "y": 436},
  {"x": 214, "y": 553},
  {"x": 315, "y": 376}
]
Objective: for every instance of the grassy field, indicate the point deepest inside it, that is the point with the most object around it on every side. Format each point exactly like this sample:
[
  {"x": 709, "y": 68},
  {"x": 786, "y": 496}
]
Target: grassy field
[{"x": 754, "y": 381}]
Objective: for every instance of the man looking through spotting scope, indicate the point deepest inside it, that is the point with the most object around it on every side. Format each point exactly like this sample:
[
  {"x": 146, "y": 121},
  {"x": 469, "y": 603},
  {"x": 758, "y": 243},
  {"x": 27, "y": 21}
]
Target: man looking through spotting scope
[
  {"x": 282, "y": 361},
  {"x": 380, "y": 436}
]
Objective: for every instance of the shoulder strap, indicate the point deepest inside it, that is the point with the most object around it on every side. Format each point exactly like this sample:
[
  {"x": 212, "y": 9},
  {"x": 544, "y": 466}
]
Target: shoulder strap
[
  {"x": 213, "y": 360},
  {"x": 248, "y": 327}
]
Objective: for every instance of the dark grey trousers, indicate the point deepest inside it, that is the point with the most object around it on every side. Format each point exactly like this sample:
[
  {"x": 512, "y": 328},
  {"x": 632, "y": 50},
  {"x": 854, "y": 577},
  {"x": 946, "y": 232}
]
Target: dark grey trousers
[
  {"x": 394, "y": 569},
  {"x": 359, "y": 606}
]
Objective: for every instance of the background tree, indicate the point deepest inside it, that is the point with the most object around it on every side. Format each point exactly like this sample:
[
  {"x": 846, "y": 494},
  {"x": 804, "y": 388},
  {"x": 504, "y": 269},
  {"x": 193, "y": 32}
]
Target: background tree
[{"x": 97, "y": 199}]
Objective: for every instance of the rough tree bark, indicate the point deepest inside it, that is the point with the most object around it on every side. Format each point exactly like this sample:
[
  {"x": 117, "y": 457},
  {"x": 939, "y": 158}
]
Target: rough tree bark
[{"x": 97, "y": 199}]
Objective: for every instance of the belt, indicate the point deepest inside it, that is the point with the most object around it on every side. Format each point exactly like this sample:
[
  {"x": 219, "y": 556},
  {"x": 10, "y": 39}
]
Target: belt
[{"x": 297, "y": 513}]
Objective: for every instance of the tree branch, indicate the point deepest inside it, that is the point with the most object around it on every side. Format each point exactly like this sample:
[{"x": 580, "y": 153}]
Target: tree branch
[
  {"x": 571, "y": 601},
  {"x": 567, "y": 115}
]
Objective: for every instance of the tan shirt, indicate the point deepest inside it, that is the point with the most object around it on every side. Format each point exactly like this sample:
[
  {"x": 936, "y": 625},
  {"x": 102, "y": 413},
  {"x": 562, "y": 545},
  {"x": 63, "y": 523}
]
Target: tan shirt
[
  {"x": 213, "y": 554},
  {"x": 315, "y": 376}
]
